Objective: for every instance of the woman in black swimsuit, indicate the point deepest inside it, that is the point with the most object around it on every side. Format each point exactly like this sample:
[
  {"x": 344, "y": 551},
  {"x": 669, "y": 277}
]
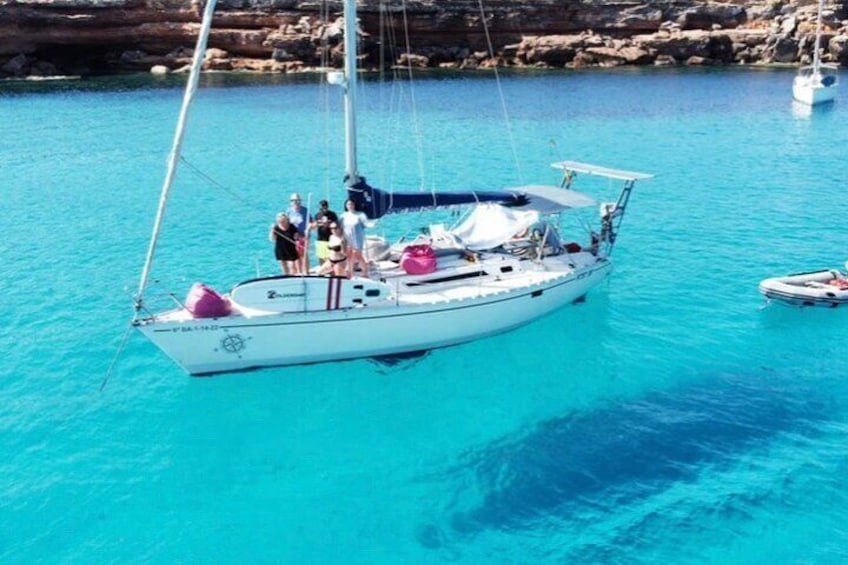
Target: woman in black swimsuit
[{"x": 337, "y": 252}]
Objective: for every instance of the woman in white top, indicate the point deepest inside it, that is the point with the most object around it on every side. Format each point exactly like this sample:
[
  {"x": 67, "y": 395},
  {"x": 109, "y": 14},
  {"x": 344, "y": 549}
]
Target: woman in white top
[{"x": 354, "y": 224}]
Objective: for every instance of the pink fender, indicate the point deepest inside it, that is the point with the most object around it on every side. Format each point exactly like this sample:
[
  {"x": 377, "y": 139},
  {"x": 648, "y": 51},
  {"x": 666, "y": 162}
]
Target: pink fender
[
  {"x": 203, "y": 302},
  {"x": 418, "y": 259}
]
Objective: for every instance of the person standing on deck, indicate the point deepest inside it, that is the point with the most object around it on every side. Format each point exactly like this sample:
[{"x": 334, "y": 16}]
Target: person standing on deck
[
  {"x": 300, "y": 219},
  {"x": 336, "y": 253},
  {"x": 354, "y": 224},
  {"x": 324, "y": 218},
  {"x": 285, "y": 237}
]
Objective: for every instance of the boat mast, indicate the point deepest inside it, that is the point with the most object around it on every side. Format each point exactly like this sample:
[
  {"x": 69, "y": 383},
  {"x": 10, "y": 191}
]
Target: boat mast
[
  {"x": 816, "y": 57},
  {"x": 173, "y": 158},
  {"x": 351, "y": 170}
]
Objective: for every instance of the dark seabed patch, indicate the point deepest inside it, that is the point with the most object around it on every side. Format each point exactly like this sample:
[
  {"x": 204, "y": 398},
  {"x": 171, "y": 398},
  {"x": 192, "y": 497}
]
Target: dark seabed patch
[{"x": 626, "y": 452}]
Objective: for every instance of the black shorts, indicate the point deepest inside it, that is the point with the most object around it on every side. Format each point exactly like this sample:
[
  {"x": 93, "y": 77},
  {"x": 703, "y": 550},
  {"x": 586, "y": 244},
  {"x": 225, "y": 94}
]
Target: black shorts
[{"x": 286, "y": 253}]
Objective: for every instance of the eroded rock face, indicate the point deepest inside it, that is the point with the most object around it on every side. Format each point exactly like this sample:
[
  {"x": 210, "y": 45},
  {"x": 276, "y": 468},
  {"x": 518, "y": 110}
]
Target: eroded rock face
[{"x": 40, "y": 37}]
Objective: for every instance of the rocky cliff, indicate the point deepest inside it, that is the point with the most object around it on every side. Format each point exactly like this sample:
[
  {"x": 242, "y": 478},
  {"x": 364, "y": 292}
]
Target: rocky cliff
[{"x": 79, "y": 37}]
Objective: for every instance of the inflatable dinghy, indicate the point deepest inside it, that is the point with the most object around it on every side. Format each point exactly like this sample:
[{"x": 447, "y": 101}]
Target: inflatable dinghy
[{"x": 828, "y": 289}]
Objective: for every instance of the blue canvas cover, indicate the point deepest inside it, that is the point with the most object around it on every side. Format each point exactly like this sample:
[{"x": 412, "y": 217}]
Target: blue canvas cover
[{"x": 377, "y": 203}]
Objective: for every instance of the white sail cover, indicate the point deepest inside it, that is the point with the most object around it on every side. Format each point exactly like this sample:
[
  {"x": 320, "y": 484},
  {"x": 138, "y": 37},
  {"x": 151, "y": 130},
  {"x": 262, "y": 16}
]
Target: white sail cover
[{"x": 491, "y": 225}]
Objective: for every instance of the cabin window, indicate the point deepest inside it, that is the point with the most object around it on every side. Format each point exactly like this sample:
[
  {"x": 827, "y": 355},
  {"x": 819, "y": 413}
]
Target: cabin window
[{"x": 459, "y": 277}]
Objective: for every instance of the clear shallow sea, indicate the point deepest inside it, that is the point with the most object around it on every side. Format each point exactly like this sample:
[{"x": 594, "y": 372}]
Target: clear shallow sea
[{"x": 669, "y": 418}]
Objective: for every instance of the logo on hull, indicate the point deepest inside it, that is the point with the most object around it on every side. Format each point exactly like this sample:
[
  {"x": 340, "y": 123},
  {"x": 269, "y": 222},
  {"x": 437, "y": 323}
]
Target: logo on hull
[{"x": 233, "y": 343}]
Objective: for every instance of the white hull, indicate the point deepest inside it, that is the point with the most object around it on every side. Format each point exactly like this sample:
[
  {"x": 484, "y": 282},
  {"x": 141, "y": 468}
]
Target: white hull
[
  {"x": 824, "y": 288},
  {"x": 813, "y": 94},
  {"x": 422, "y": 322},
  {"x": 817, "y": 83}
]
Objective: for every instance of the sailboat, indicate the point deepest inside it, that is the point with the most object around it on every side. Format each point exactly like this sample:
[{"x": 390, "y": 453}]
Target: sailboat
[
  {"x": 503, "y": 265},
  {"x": 816, "y": 83}
]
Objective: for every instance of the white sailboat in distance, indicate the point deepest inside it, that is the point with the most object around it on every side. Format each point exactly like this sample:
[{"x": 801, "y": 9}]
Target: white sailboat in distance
[
  {"x": 816, "y": 83},
  {"x": 503, "y": 265}
]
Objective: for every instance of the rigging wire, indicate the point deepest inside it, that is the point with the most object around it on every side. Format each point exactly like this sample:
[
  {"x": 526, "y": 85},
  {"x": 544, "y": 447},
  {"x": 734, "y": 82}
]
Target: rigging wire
[
  {"x": 415, "y": 123},
  {"x": 394, "y": 105},
  {"x": 215, "y": 184},
  {"x": 381, "y": 58},
  {"x": 117, "y": 355},
  {"x": 555, "y": 150},
  {"x": 233, "y": 194},
  {"x": 500, "y": 93},
  {"x": 324, "y": 90},
  {"x": 398, "y": 99}
]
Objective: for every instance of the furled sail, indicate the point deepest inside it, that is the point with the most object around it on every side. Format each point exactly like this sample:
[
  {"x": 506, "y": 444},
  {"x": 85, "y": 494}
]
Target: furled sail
[{"x": 377, "y": 203}]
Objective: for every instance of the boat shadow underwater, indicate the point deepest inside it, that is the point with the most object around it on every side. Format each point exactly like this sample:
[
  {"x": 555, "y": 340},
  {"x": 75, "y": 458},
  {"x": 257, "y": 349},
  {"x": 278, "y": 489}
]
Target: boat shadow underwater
[
  {"x": 400, "y": 361},
  {"x": 622, "y": 453}
]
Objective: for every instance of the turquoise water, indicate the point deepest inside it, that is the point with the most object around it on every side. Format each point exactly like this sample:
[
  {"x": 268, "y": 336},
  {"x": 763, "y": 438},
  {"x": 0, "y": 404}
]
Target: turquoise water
[{"x": 669, "y": 418}]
